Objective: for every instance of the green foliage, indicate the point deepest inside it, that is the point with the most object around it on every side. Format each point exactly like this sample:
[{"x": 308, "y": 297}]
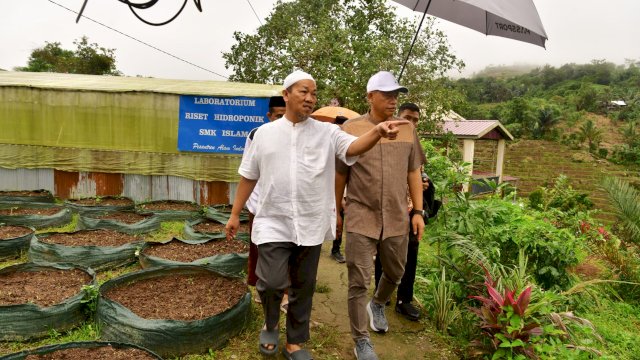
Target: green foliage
[
  {"x": 592, "y": 134},
  {"x": 509, "y": 331},
  {"x": 342, "y": 43},
  {"x": 168, "y": 230},
  {"x": 625, "y": 154},
  {"x": 626, "y": 201},
  {"x": 445, "y": 309},
  {"x": 443, "y": 165},
  {"x": 547, "y": 117},
  {"x": 631, "y": 135},
  {"x": 619, "y": 325},
  {"x": 90, "y": 299},
  {"x": 560, "y": 196},
  {"x": 500, "y": 229},
  {"x": 86, "y": 59},
  {"x": 531, "y": 103},
  {"x": 71, "y": 226},
  {"x": 586, "y": 99}
]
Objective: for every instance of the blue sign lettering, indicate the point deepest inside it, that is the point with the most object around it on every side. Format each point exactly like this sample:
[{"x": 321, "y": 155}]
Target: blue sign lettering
[{"x": 218, "y": 124}]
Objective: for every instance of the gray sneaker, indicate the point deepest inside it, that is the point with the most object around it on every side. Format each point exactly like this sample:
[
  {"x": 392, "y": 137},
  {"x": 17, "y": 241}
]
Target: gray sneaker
[
  {"x": 377, "y": 319},
  {"x": 364, "y": 350}
]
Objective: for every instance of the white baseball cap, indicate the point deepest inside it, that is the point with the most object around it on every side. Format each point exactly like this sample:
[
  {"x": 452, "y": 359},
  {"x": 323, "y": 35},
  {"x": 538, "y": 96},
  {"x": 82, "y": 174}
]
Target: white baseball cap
[
  {"x": 296, "y": 76},
  {"x": 384, "y": 81}
]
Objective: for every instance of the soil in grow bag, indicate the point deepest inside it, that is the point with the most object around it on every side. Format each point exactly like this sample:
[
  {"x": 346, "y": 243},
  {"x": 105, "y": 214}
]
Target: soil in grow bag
[
  {"x": 170, "y": 205},
  {"x": 210, "y": 226},
  {"x": 12, "y": 232},
  {"x": 99, "y": 353},
  {"x": 37, "y": 217},
  {"x": 14, "y": 240},
  {"x": 123, "y": 217},
  {"x": 19, "y": 211},
  {"x": 105, "y": 201},
  {"x": 100, "y": 237},
  {"x": 38, "y": 196},
  {"x": 183, "y": 252},
  {"x": 100, "y": 204},
  {"x": 36, "y": 299},
  {"x": 100, "y": 249},
  {"x": 172, "y": 210},
  {"x": 44, "y": 288},
  {"x": 90, "y": 350},
  {"x": 184, "y": 297}
]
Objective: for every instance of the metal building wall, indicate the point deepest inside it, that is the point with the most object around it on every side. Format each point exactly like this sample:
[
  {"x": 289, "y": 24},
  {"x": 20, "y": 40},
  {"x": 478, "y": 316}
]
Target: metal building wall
[
  {"x": 140, "y": 188},
  {"x": 26, "y": 179}
]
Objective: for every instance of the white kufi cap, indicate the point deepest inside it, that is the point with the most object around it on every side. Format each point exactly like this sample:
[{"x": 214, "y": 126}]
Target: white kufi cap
[{"x": 296, "y": 76}]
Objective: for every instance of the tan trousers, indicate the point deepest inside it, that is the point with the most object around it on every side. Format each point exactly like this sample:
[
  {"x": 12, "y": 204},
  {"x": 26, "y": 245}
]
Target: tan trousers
[{"x": 359, "y": 252}]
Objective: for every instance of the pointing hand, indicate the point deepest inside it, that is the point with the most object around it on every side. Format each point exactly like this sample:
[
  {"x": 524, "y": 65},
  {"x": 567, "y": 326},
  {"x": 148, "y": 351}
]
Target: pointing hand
[{"x": 390, "y": 129}]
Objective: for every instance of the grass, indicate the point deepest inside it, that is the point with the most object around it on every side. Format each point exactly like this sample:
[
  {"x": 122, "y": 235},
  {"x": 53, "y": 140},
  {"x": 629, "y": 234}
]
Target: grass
[
  {"x": 168, "y": 230},
  {"x": 619, "y": 325},
  {"x": 322, "y": 288},
  {"x": 104, "y": 276},
  {"x": 244, "y": 346},
  {"x": 22, "y": 259},
  {"x": 85, "y": 332},
  {"x": 64, "y": 228}
]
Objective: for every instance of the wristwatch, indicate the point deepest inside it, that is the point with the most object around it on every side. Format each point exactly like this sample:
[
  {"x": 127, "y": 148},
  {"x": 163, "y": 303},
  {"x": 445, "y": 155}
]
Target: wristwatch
[{"x": 418, "y": 212}]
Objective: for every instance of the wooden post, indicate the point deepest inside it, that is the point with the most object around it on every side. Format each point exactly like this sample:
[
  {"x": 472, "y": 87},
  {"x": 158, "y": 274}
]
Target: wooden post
[
  {"x": 468, "y": 149},
  {"x": 500, "y": 159}
]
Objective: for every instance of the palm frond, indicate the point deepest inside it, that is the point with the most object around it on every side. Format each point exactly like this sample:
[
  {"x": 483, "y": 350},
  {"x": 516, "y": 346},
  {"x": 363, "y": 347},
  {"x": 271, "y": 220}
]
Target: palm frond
[
  {"x": 465, "y": 246},
  {"x": 626, "y": 201}
]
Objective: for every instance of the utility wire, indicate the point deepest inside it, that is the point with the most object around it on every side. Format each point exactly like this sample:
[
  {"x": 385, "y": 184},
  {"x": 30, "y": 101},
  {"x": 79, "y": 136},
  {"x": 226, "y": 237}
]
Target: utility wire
[
  {"x": 254, "y": 12},
  {"x": 142, "y": 42}
]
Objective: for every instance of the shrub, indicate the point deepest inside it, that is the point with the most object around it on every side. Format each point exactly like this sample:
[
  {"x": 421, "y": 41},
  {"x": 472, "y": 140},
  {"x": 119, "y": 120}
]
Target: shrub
[{"x": 603, "y": 153}]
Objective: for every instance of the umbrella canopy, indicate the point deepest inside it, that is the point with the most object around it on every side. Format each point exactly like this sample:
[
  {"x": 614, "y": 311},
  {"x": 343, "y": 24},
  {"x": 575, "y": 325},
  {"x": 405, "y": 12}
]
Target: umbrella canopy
[
  {"x": 329, "y": 113},
  {"x": 513, "y": 19}
]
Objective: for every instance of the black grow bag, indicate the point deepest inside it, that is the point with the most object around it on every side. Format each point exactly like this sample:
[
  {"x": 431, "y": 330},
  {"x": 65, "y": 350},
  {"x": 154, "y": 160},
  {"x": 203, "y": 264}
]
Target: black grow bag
[
  {"x": 60, "y": 218},
  {"x": 168, "y": 338},
  {"x": 87, "y": 221},
  {"x": 82, "y": 209},
  {"x": 30, "y": 321},
  {"x": 14, "y": 246},
  {"x": 27, "y": 196},
  {"x": 96, "y": 257},
  {"x": 75, "y": 345},
  {"x": 221, "y": 213},
  {"x": 190, "y": 233},
  {"x": 172, "y": 215},
  {"x": 229, "y": 264}
]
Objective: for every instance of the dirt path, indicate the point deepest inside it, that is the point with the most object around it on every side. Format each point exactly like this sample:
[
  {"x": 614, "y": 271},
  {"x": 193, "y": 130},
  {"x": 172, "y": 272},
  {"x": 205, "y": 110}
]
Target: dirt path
[{"x": 405, "y": 339}]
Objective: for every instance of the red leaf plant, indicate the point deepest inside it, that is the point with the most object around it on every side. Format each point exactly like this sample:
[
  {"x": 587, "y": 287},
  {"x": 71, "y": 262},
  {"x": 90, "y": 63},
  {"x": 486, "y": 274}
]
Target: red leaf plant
[{"x": 503, "y": 321}]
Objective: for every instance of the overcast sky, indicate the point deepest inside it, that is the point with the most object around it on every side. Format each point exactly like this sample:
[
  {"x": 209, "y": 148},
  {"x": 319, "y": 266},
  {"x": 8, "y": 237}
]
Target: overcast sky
[{"x": 578, "y": 30}]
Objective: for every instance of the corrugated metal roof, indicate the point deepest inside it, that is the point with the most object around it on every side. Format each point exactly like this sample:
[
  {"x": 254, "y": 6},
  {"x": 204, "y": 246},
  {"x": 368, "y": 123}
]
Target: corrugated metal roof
[
  {"x": 126, "y": 84},
  {"x": 474, "y": 129}
]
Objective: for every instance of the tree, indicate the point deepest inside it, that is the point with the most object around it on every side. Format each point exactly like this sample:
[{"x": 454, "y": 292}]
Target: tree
[
  {"x": 589, "y": 132},
  {"x": 547, "y": 117},
  {"x": 342, "y": 43},
  {"x": 87, "y": 59},
  {"x": 587, "y": 98}
]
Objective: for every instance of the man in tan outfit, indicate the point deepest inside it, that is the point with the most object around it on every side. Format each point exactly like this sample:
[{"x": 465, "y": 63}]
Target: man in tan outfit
[{"x": 375, "y": 213}]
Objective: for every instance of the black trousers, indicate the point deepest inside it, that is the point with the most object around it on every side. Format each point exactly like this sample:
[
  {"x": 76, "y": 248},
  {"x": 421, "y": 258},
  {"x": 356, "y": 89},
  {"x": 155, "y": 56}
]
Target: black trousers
[
  {"x": 283, "y": 265},
  {"x": 335, "y": 247},
  {"x": 405, "y": 289}
]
